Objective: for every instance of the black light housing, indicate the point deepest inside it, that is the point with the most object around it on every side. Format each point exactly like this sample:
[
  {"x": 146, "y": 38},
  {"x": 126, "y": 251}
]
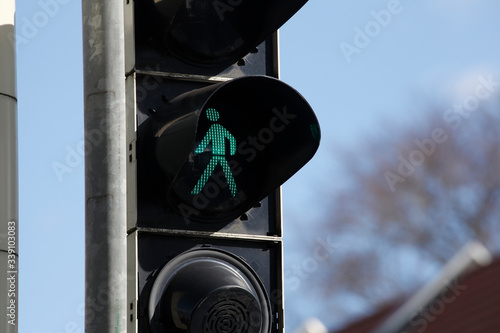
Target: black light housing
[
  {"x": 274, "y": 132},
  {"x": 213, "y": 32},
  {"x": 208, "y": 291}
]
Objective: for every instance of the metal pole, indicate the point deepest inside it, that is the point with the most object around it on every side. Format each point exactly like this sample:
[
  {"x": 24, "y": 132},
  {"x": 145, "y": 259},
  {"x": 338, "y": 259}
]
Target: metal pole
[
  {"x": 9, "y": 212},
  {"x": 105, "y": 166}
]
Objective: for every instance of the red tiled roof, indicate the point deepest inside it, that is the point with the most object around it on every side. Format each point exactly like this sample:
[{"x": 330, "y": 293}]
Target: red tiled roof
[
  {"x": 475, "y": 309},
  {"x": 469, "y": 305}
]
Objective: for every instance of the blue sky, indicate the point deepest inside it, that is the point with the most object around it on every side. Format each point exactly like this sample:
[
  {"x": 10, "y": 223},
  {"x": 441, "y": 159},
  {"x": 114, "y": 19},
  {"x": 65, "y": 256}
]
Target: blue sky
[{"x": 424, "y": 51}]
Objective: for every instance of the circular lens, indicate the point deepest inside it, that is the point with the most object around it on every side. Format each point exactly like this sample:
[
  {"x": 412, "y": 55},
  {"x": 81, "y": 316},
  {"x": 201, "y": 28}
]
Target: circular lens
[{"x": 208, "y": 291}]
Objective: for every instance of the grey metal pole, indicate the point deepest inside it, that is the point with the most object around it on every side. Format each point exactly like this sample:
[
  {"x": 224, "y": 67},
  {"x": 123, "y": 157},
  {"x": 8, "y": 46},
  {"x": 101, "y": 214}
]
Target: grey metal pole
[
  {"x": 9, "y": 211},
  {"x": 105, "y": 166}
]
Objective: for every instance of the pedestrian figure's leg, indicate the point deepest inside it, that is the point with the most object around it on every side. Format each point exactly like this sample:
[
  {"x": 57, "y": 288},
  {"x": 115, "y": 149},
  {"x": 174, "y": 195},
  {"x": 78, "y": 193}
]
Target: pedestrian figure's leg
[
  {"x": 229, "y": 175},
  {"x": 205, "y": 176}
]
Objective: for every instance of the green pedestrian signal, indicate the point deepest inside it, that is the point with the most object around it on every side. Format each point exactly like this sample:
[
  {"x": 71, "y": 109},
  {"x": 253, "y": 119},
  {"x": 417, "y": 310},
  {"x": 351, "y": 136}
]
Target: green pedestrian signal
[
  {"x": 216, "y": 136},
  {"x": 215, "y": 152}
]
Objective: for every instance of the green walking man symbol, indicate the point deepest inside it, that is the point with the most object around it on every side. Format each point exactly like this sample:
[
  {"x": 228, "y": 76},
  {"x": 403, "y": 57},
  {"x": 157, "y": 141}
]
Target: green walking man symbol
[{"x": 217, "y": 135}]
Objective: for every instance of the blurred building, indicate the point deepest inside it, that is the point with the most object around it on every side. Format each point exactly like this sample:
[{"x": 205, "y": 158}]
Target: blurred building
[{"x": 464, "y": 298}]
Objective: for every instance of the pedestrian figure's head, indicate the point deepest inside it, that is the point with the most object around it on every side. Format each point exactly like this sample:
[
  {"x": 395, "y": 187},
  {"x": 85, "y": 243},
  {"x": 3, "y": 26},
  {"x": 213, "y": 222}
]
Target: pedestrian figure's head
[{"x": 212, "y": 114}]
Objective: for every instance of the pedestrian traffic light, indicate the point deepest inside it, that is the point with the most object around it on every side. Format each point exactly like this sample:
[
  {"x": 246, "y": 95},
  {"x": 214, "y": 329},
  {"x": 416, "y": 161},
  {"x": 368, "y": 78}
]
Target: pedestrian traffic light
[
  {"x": 213, "y": 134},
  {"x": 213, "y": 153}
]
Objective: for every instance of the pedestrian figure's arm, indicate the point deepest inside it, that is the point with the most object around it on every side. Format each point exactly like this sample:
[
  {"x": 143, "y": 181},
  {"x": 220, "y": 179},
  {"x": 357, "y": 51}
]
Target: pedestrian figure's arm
[
  {"x": 232, "y": 143},
  {"x": 203, "y": 144}
]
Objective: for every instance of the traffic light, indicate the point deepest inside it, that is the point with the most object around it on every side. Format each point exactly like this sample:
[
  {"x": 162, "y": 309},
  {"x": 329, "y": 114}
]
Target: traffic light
[
  {"x": 213, "y": 153},
  {"x": 213, "y": 134}
]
